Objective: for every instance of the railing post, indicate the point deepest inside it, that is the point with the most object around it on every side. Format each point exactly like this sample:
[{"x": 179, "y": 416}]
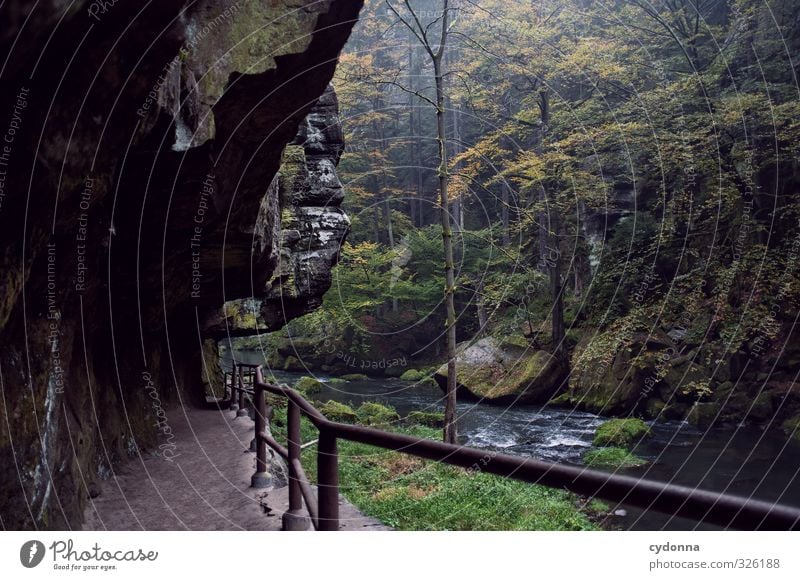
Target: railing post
[
  {"x": 234, "y": 406},
  {"x": 294, "y": 520},
  {"x": 260, "y": 478},
  {"x": 242, "y": 412},
  {"x": 328, "y": 481}
]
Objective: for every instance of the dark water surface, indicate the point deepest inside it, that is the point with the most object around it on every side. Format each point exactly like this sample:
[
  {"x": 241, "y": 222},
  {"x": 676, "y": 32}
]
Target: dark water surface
[{"x": 744, "y": 461}]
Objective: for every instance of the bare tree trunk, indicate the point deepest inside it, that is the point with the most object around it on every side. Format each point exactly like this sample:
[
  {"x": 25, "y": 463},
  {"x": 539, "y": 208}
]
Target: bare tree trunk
[
  {"x": 549, "y": 231},
  {"x": 437, "y": 57},
  {"x": 483, "y": 318},
  {"x": 413, "y": 172},
  {"x": 450, "y": 429},
  {"x": 505, "y": 200}
]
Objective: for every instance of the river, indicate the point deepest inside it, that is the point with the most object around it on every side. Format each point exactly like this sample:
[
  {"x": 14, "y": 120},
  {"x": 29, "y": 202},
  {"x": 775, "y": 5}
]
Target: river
[{"x": 744, "y": 461}]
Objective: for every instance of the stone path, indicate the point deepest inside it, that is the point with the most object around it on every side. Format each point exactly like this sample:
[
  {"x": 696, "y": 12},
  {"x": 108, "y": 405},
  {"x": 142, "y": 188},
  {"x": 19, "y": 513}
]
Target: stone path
[{"x": 206, "y": 485}]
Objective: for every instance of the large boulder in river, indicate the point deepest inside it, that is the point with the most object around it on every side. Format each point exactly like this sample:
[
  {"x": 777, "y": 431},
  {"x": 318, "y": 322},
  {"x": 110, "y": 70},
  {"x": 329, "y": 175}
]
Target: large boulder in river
[{"x": 492, "y": 372}]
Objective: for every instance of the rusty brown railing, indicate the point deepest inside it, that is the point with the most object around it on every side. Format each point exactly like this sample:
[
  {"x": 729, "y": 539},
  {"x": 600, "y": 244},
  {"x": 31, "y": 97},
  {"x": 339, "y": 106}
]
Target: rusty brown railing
[{"x": 727, "y": 511}]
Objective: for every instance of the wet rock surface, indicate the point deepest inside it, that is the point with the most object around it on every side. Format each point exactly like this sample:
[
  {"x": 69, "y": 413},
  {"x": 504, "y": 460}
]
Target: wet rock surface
[{"x": 137, "y": 200}]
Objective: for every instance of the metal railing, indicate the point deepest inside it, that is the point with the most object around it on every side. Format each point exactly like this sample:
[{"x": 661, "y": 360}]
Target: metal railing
[{"x": 727, "y": 511}]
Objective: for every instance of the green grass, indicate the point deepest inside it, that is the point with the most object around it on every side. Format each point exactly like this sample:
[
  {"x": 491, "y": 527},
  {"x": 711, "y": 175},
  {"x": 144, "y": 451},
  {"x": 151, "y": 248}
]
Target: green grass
[
  {"x": 408, "y": 493},
  {"x": 612, "y": 457}
]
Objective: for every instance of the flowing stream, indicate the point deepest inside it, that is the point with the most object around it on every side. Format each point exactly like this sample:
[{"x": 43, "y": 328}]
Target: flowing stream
[{"x": 744, "y": 461}]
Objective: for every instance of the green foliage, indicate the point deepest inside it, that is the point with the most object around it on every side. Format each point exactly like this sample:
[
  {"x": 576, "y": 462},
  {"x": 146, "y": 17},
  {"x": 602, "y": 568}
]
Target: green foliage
[
  {"x": 621, "y": 433},
  {"x": 696, "y": 390}
]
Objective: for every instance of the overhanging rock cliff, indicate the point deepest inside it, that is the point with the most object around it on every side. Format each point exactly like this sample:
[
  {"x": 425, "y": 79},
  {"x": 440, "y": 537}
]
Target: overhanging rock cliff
[
  {"x": 308, "y": 229},
  {"x": 138, "y": 196}
]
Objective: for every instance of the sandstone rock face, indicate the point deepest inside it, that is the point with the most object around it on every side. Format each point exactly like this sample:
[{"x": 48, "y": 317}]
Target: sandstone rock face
[
  {"x": 138, "y": 196},
  {"x": 308, "y": 229},
  {"x": 665, "y": 376},
  {"x": 504, "y": 374}
]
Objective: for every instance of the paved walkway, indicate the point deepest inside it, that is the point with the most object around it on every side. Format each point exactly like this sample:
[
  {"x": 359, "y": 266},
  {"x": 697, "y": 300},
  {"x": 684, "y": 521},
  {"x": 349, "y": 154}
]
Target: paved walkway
[{"x": 205, "y": 486}]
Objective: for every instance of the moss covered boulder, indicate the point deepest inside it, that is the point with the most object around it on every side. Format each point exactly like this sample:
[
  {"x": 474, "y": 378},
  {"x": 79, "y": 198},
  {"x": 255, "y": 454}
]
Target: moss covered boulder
[
  {"x": 376, "y": 414},
  {"x": 612, "y": 457},
  {"x": 791, "y": 427},
  {"x": 308, "y": 386},
  {"x": 623, "y": 433},
  {"x": 426, "y": 419},
  {"x": 339, "y": 412},
  {"x": 504, "y": 374},
  {"x": 354, "y": 377},
  {"x": 412, "y": 375}
]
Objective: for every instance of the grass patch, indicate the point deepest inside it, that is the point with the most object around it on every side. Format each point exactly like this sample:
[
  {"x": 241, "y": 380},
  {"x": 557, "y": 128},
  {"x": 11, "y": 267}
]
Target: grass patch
[
  {"x": 409, "y": 493},
  {"x": 615, "y": 457},
  {"x": 621, "y": 433}
]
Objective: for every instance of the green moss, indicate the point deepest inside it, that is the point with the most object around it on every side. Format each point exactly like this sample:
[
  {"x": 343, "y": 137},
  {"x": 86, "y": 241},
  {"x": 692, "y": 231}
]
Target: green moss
[
  {"x": 493, "y": 382},
  {"x": 426, "y": 419},
  {"x": 308, "y": 386},
  {"x": 336, "y": 381},
  {"x": 354, "y": 377},
  {"x": 703, "y": 414},
  {"x": 376, "y": 414},
  {"x": 612, "y": 457},
  {"x": 292, "y": 363},
  {"x": 621, "y": 433},
  {"x": 761, "y": 409},
  {"x": 339, "y": 412},
  {"x": 516, "y": 340},
  {"x": 412, "y": 375},
  {"x": 426, "y": 382},
  {"x": 792, "y": 427}
]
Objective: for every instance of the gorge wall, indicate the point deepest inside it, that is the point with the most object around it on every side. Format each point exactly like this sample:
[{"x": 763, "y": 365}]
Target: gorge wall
[{"x": 139, "y": 195}]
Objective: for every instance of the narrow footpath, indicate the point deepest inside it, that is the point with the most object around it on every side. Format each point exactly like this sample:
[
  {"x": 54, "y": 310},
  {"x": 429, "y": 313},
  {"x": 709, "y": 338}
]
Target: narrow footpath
[{"x": 205, "y": 485}]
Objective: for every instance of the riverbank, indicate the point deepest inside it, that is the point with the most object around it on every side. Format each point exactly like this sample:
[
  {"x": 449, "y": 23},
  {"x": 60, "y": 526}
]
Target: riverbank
[{"x": 408, "y": 493}]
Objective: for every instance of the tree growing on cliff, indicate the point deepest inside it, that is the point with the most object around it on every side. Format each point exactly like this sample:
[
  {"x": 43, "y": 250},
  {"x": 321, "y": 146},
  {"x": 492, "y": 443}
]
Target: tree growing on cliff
[{"x": 434, "y": 46}]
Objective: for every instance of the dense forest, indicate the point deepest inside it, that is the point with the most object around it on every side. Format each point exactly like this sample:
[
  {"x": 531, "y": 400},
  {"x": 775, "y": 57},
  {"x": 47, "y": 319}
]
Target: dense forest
[{"x": 620, "y": 185}]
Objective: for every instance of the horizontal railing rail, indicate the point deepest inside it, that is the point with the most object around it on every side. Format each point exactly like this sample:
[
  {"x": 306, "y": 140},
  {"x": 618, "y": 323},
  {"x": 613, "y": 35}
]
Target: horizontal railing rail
[{"x": 724, "y": 510}]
